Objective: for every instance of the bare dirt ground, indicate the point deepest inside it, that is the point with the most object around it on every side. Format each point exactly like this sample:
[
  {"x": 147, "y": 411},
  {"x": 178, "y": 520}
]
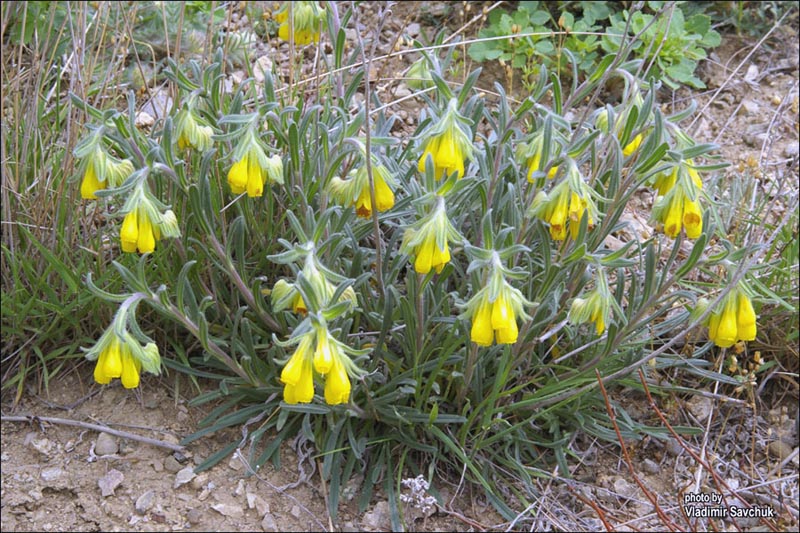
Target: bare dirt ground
[{"x": 59, "y": 478}]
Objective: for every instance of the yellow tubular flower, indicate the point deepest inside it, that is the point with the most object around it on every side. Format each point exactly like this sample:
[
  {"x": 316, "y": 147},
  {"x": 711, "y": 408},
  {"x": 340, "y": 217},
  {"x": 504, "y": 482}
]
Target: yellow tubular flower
[
  {"x": 558, "y": 218},
  {"x": 577, "y": 207},
  {"x": 673, "y": 222},
  {"x": 446, "y": 154},
  {"x": 237, "y": 176},
  {"x": 745, "y": 318},
  {"x": 130, "y": 369},
  {"x": 129, "y": 233},
  {"x": 504, "y": 321},
  {"x": 90, "y": 184},
  {"x": 692, "y": 218},
  {"x": 482, "y": 332},
  {"x": 298, "y": 375},
  {"x": 665, "y": 182},
  {"x": 726, "y": 334},
  {"x": 147, "y": 234},
  {"x": 299, "y": 306},
  {"x": 324, "y": 354},
  {"x": 255, "y": 177},
  {"x": 429, "y": 255},
  {"x": 337, "y": 384},
  {"x": 632, "y": 146},
  {"x": 112, "y": 365},
  {"x": 599, "y": 319}
]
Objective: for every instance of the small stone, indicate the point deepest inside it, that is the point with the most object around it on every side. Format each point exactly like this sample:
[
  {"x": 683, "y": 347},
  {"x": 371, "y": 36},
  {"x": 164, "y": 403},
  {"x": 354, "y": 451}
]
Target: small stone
[
  {"x": 413, "y": 29},
  {"x": 402, "y": 91},
  {"x": 43, "y": 446},
  {"x": 777, "y": 449},
  {"x": 51, "y": 474},
  {"x": 235, "y": 463},
  {"x": 172, "y": 465},
  {"x": 751, "y": 107},
  {"x": 624, "y": 488},
  {"x": 701, "y": 407},
  {"x": 35, "y": 494},
  {"x": 261, "y": 68},
  {"x": 650, "y": 466},
  {"x": 194, "y": 516},
  {"x": 228, "y": 509},
  {"x": 110, "y": 482},
  {"x": 379, "y": 517},
  {"x": 296, "y": 512},
  {"x": 239, "y": 490},
  {"x": 260, "y": 504},
  {"x": 200, "y": 481},
  {"x": 184, "y": 476},
  {"x": 157, "y": 464},
  {"x": 144, "y": 120},
  {"x": 673, "y": 447},
  {"x": 106, "y": 445},
  {"x": 145, "y": 502},
  {"x": 268, "y": 523}
]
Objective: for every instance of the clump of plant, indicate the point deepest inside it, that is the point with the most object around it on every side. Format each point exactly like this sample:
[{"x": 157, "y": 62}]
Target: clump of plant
[
  {"x": 669, "y": 44},
  {"x": 408, "y": 306}
]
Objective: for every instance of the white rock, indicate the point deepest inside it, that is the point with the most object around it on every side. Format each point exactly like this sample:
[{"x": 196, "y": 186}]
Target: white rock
[
  {"x": 145, "y": 502},
  {"x": 268, "y": 523},
  {"x": 110, "y": 482},
  {"x": 184, "y": 476},
  {"x": 106, "y": 444},
  {"x": 228, "y": 509}
]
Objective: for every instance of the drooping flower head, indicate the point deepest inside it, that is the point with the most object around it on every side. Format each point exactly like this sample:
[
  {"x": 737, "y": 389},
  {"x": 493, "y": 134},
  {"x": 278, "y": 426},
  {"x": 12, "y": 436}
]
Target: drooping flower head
[
  {"x": 144, "y": 222},
  {"x": 734, "y": 318},
  {"x": 304, "y": 21},
  {"x": 427, "y": 240},
  {"x": 191, "y": 130},
  {"x": 120, "y": 355},
  {"x": 532, "y": 155},
  {"x": 252, "y": 168},
  {"x": 447, "y": 143},
  {"x": 355, "y": 190},
  {"x": 566, "y": 204},
  {"x": 318, "y": 352},
  {"x": 679, "y": 206},
  {"x": 595, "y": 307},
  {"x": 101, "y": 170},
  {"x": 495, "y": 308}
]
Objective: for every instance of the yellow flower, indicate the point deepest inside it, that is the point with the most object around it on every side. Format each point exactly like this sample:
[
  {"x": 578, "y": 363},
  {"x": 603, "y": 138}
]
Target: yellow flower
[
  {"x": 298, "y": 375},
  {"x": 428, "y": 240},
  {"x": 131, "y": 368},
  {"x": 447, "y": 145},
  {"x": 109, "y": 363},
  {"x": 692, "y": 218},
  {"x": 90, "y": 184},
  {"x": 596, "y": 307},
  {"x": 558, "y": 216},
  {"x": 253, "y": 170},
  {"x": 429, "y": 255},
  {"x": 324, "y": 354},
  {"x": 533, "y": 166},
  {"x": 664, "y": 182},
  {"x": 337, "y": 384},
  {"x": 676, "y": 211},
  {"x": 504, "y": 321},
  {"x": 306, "y": 21},
  {"x": 746, "y": 318},
  {"x": 632, "y": 146},
  {"x": 734, "y": 322},
  {"x": 138, "y": 231},
  {"x": 482, "y": 332},
  {"x": 190, "y": 132}
]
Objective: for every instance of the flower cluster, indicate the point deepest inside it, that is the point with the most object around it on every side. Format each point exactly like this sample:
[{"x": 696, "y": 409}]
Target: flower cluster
[
  {"x": 447, "y": 144},
  {"x": 100, "y": 169},
  {"x": 427, "y": 240},
  {"x": 532, "y": 155},
  {"x": 252, "y": 168},
  {"x": 495, "y": 308},
  {"x": 678, "y": 205},
  {"x": 355, "y": 190},
  {"x": 733, "y": 320},
  {"x": 318, "y": 351},
  {"x": 144, "y": 222},
  {"x": 305, "y": 22},
  {"x": 120, "y": 355},
  {"x": 595, "y": 307},
  {"x": 566, "y": 205},
  {"x": 191, "y": 130}
]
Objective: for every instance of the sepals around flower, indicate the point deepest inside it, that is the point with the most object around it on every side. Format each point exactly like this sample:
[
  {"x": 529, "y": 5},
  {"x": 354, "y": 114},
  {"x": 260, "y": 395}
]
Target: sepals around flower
[
  {"x": 447, "y": 144},
  {"x": 428, "y": 240}
]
